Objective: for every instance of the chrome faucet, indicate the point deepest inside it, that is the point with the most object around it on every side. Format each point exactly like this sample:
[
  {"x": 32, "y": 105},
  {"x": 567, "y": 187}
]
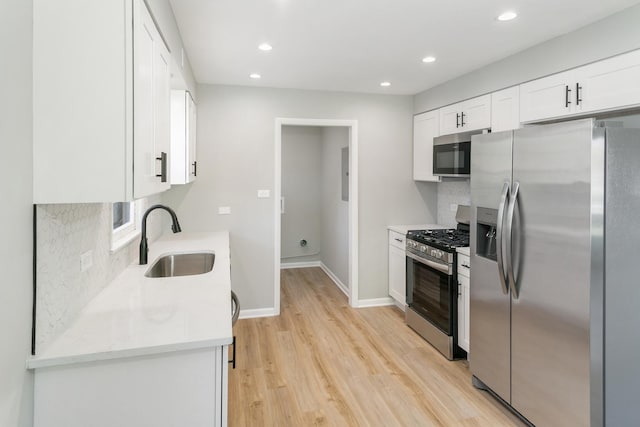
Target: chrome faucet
[{"x": 144, "y": 247}]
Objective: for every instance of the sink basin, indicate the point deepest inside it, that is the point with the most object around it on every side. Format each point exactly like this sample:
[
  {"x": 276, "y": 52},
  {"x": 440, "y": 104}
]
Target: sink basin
[{"x": 182, "y": 265}]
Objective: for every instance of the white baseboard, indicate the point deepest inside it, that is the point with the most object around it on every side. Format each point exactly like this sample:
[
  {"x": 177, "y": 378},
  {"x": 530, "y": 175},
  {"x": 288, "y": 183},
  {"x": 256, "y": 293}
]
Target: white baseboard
[
  {"x": 257, "y": 312},
  {"x": 375, "y": 302},
  {"x": 307, "y": 264},
  {"x": 335, "y": 279},
  {"x": 398, "y": 304}
]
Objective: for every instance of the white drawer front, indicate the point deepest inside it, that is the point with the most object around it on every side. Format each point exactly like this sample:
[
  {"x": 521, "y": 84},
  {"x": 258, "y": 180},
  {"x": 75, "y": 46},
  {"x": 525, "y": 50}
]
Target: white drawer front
[
  {"x": 464, "y": 265},
  {"x": 397, "y": 239}
]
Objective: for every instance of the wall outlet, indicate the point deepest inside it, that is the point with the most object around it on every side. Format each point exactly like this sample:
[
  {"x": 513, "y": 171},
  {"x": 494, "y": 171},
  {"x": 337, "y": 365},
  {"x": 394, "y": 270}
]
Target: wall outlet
[
  {"x": 224, "y": 210},
  {"x": 264, "y": 194},
  {"x": 453, "y": 207},
  {"x": 86, "y": 261}
]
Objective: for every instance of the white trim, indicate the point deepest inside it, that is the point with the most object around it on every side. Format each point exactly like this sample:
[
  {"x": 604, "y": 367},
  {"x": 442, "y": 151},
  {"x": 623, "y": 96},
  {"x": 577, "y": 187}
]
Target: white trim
[
  {"x": 257, "y": 312},
  {"x": 353, "y": 200},
  {"x": 307, "y": 264},
  {"x": 376, "y": 302},
  {"x": 116, "y": 245},
  {"x": 335, "y": 279},
  {"x": 398, "y": 304}
]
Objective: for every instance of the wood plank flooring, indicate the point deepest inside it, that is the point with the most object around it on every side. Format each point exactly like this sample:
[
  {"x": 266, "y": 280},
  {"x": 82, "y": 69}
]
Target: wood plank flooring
[{"x": 323, "y": 363}]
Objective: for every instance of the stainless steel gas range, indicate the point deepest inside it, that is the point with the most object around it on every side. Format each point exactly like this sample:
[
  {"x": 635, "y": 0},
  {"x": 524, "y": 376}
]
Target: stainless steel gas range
[{"x": 432, "y": 289}]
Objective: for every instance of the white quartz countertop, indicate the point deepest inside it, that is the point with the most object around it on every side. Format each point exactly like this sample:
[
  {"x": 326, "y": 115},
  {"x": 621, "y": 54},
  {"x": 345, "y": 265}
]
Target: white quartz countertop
[
  {"x": 135, "y": 315},
  {"x": 404, "y": 229},
  {"x": 464, "y": 251}
]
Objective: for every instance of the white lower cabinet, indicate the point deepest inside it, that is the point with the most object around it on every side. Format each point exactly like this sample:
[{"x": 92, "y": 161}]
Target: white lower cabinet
[
  {"x": 182, "y": 388},
  {"x": 464, "y": 274},
  {"x": 397, "y": 267}
]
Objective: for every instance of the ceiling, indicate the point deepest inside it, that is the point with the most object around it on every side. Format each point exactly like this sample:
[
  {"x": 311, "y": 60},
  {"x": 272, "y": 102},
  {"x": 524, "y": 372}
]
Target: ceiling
[{"x": 354, "y": 45}]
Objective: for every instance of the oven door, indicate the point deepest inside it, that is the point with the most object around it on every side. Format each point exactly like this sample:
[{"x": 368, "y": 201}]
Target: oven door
[
  {"x": 430, "y": 292},
  {"x": 452, "y": 159}
]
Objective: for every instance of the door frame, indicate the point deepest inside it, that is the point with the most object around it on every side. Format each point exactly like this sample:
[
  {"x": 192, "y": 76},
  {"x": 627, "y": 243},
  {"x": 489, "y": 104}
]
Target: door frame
[{"x": 352, "y": 125}]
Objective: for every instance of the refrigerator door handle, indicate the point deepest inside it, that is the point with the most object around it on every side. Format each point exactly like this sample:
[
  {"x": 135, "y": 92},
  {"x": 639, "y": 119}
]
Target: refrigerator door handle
[
  {"x": 499, "y": 236},
  {"x": 509, "y": 242}
]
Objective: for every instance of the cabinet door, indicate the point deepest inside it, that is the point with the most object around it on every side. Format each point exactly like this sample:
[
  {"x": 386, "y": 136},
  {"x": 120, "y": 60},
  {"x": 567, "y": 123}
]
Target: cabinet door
[
  {"x": 463, "y": 312},
  {"x": 548, "y": 97},
  {"x": 450, "y": 119},
  {"x": 476, "y": 113},
  {"x": 425, "y": 128},
  {"x": 151, "y": 104},
  {"x": 397, "y": 274},
  {"x": 192, "y": 166},
  {"x": 505, "y": 109},
  {"x": 610, "y": 84}
]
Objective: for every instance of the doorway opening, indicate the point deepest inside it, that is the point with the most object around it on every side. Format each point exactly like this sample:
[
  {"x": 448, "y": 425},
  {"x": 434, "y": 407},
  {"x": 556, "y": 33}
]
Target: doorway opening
[{"x": 347, "y": 189}]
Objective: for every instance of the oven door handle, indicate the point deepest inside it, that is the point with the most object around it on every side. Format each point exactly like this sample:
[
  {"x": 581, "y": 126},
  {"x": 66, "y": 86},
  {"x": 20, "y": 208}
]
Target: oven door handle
[
  {"x": 499, "y": 236},
  {"x": 443, "y": 268}
]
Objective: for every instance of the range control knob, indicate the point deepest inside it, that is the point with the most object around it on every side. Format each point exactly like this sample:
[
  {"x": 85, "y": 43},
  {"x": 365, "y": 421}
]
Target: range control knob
[{"x": 423, "y": 248}]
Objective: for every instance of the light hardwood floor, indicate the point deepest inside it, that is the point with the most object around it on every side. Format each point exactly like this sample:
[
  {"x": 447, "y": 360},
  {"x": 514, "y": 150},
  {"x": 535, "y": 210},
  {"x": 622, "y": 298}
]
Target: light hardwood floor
[{"x": 323, "y": 363}]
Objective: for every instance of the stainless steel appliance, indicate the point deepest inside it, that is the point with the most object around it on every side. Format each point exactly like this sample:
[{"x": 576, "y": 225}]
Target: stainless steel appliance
[
  {"x": 432, "y": 291},
  {"x": 452, "y": 154},
  {"x": 555, "y": 311}
]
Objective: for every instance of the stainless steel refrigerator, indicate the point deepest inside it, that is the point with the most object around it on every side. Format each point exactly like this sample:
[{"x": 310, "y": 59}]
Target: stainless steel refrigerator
[{"x": 555, "y": 262}]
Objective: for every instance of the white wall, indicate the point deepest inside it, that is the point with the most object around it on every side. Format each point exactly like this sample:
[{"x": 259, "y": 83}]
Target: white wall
[
  {"x": 335, "y": 211},
  {"x": 16, "y": 167},
  {"x": 301, "y": 188},
  {"x": 613, "y": 35},
  {"x": 236, "y": 157}
]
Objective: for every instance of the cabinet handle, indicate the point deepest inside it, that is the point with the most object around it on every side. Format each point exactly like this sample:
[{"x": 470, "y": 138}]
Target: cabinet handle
[
  {"x": 459, "y": 293},
  {"x": 462, "y": 121},
  {"x": 163, "y": 167},
  {"x": 195, "y": 168},
  {"x": 457, "y": 120},
  {"x": 465, "y": 265},
  {"x": 566, "y": 96},
  {"x": 578, "y": 89},
  {"x": 233, "y": 360},
  {"x": 397, "y": 240}
]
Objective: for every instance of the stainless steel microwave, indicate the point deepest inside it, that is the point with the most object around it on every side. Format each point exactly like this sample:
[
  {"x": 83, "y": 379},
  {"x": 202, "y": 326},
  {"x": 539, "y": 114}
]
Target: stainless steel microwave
[{"x": 452, "y": 154}]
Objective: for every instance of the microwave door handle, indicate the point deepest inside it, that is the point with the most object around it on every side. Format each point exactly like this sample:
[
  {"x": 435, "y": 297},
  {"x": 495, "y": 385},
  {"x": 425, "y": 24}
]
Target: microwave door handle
[
  {"x": 509, "y": 235},
  {"x": 504, "y": 198}
]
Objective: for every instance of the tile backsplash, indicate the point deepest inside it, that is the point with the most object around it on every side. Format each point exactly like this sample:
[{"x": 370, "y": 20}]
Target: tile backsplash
[
  {"x": 452, "y": 192},
  {"x": 64, "y": 233}
]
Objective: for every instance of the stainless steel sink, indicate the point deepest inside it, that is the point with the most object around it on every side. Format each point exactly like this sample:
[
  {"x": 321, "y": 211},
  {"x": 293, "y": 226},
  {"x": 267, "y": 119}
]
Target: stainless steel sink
[{"x": 188, "y": 264}]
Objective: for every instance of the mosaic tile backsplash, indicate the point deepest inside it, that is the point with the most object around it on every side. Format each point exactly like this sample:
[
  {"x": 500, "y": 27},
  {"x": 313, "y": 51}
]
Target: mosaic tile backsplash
[
  {"x": 452, "y": 192},
  {"x": 66, "y": 231}
]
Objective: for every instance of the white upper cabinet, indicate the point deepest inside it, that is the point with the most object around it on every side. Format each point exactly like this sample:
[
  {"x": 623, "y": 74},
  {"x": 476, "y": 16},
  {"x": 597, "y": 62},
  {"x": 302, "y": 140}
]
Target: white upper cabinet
[
  {"x": 547, "y": 97},
  {"x": 465, "y": 116},
  {"x": 611, "y": 84},
  {"x": 184, "y": 165},
  {"x": 90, "y": 134},
  {"x": 425, "y": 128},
  {"x": 151, "y": 137},
  {"x": 505, "y": 109}
]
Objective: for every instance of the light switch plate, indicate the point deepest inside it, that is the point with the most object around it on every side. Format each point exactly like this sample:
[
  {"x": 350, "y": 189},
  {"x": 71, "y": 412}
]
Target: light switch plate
[
  {"x": 264, "y": 194},
  {"x": 224, "y": 210}
]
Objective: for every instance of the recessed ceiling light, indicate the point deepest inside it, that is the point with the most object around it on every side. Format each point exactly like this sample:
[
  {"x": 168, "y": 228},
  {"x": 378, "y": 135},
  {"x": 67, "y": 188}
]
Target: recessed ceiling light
[
  {"x": 255, "y": 76},
  {"x": 429, "y": 59},
  {"x": 385, "y": 84},
  {"x": 265, "y": 47},
  {"x": 507, "y": 16}
]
